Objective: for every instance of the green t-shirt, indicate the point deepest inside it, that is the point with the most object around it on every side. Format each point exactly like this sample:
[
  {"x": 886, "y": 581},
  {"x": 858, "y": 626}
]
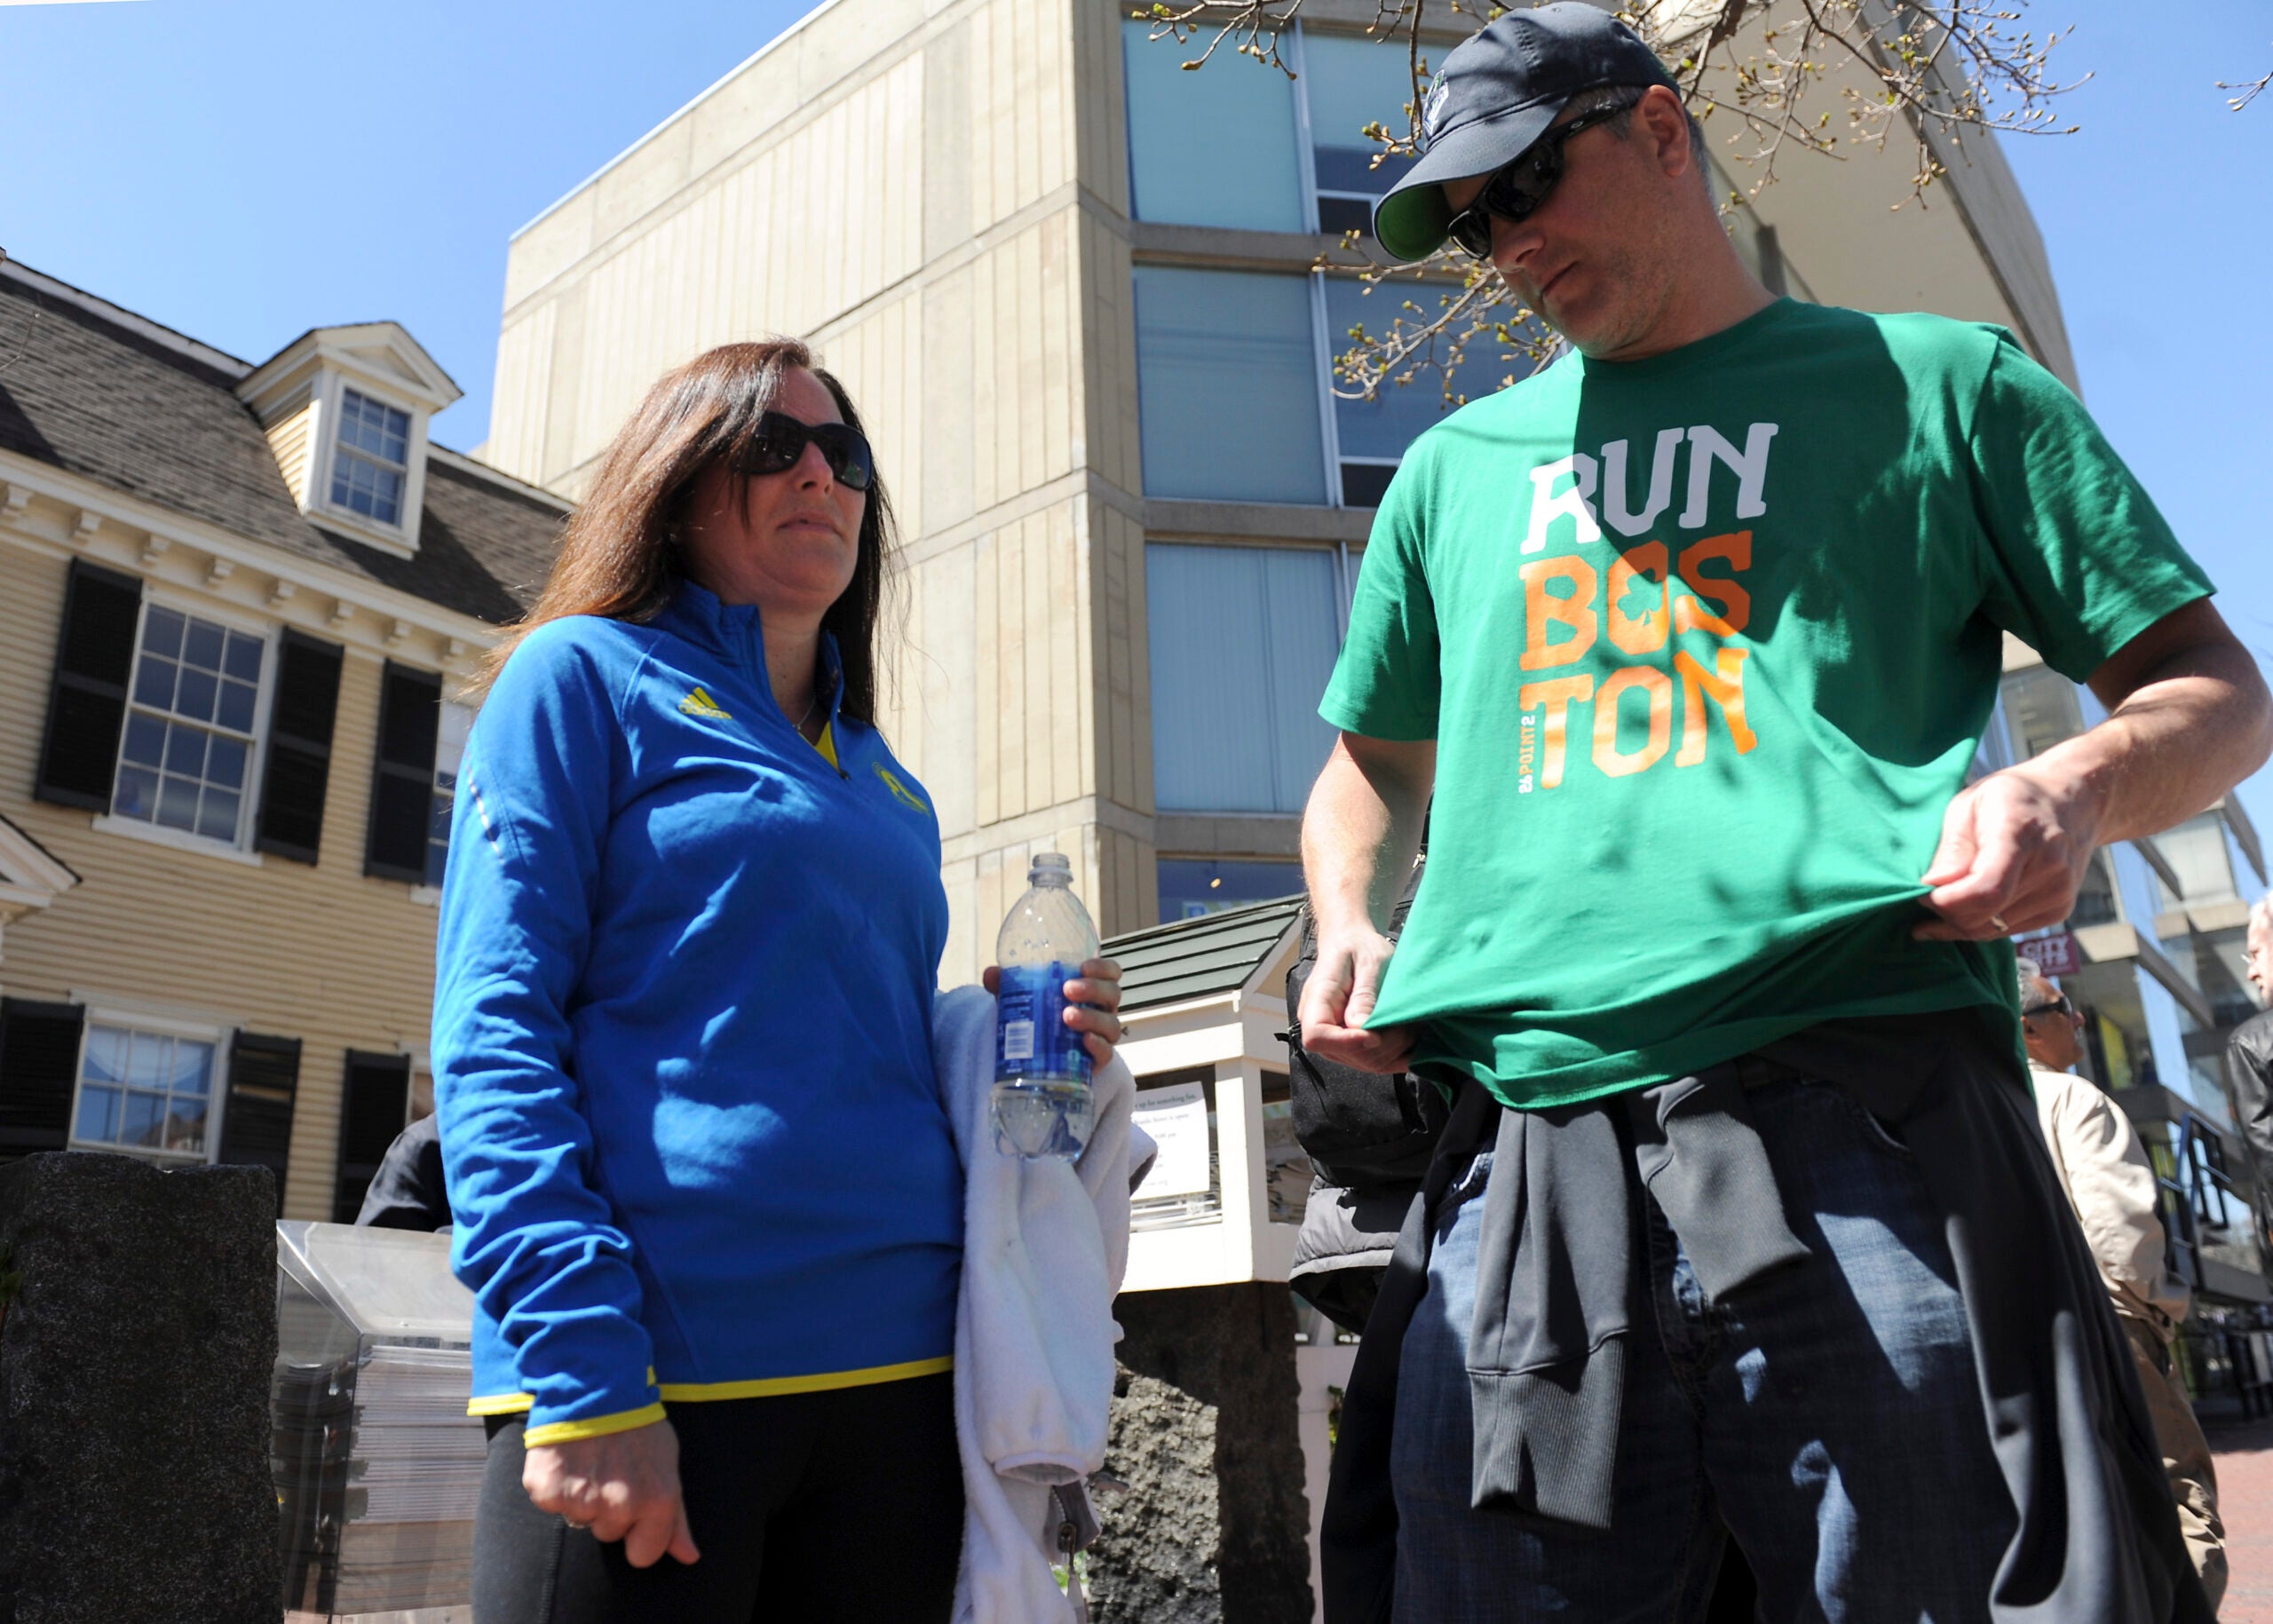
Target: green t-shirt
[{"x": 1707, "y": 642}]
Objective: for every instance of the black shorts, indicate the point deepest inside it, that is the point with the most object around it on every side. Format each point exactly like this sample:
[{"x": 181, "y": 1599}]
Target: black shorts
[{"x": 807, "y": 1508}]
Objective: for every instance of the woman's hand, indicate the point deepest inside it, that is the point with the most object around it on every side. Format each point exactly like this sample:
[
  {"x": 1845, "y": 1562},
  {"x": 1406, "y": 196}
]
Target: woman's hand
[
  {"x": 1093, "y": 1004},
  {"x": 621, "y": 1485}
]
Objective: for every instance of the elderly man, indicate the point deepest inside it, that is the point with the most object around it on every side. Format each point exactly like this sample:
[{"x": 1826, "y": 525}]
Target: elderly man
[
  {"x": 2103, "y": 1168},
  {"x": 1741, "y": 1227},
  {"x": 2249, "y": 1054}
]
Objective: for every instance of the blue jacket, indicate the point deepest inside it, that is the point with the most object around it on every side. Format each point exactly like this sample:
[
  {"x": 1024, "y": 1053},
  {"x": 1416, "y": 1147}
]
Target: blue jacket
[{"x": 681, "y": 1035}]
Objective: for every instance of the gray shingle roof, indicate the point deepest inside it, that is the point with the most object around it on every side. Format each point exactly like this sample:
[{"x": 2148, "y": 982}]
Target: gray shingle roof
[
  {"x": 102, "y": 400},
  {"x": 1197, "y": 958}
]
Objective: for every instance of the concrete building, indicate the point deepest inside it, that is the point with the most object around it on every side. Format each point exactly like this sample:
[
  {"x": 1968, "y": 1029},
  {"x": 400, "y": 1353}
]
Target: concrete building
[{"x": 233, "y": 601}]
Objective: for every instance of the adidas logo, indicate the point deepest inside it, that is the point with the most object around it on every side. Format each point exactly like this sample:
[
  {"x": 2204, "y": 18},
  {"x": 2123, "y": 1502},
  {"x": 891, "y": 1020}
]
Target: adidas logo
[{"x": 699, "y": 703}]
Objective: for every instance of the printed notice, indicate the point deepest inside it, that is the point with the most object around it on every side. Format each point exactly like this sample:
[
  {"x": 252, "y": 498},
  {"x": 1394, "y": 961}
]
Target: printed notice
[{"x": 1176, "y": 1117}]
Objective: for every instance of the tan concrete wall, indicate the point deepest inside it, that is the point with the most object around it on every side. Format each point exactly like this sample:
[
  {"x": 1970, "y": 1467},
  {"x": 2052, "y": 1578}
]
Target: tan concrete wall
[{"x": 321, "y": 953}]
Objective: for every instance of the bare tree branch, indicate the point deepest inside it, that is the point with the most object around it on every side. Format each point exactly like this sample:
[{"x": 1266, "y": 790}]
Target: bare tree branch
[
  {"x": 2249, "y": 92},
  {"x": 1815, "y": 76}
]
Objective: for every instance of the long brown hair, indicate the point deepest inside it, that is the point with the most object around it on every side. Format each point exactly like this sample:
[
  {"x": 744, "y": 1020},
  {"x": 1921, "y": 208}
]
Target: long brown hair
[{"x": 619, "y": 556}]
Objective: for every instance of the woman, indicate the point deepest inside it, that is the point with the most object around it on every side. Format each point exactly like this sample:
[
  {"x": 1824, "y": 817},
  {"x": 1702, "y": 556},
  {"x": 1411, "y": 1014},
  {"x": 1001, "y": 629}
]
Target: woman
[{"x": 690, "y": 935}]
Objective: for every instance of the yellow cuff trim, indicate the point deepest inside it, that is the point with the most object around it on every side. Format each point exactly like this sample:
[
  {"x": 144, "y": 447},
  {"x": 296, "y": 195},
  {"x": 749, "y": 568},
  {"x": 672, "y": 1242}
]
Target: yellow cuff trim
[
  {"x": 686, "y": 1392},
  {"x": 597, "y": 1426},
  {"x": 502, "y": 1404}
]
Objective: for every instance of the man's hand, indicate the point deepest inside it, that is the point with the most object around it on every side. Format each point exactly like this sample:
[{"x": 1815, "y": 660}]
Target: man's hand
[
  {"x": 1339, "y": 998},
  {"x": 2015, "y": 846},
  {"x": 623, "y": 1485}
]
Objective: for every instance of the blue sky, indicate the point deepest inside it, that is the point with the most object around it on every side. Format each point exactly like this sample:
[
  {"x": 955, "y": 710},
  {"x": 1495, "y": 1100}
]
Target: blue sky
[{"x": 243, "y": 170}]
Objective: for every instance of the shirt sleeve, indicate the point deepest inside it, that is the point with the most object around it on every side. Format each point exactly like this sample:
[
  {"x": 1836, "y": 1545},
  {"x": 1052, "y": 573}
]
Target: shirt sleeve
[
  {"x": 2112, "y": 1185},
  {"x": 1386, "y": 684},
  {"x": 2079, "y": 559},
  {"x": 535, "y": 1242}
]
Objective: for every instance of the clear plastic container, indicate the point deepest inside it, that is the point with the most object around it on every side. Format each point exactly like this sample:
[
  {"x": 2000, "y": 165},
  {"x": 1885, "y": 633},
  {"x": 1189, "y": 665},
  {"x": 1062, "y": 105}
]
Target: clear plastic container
[{"x": 1043, "y": 1106}]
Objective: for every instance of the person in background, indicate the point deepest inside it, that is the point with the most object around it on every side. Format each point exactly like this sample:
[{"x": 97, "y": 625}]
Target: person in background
[
  {"x": 2249, "y": 1057},
  {"x": 409, "y": 1191},
  {"x": 2103, "y": 1168}
]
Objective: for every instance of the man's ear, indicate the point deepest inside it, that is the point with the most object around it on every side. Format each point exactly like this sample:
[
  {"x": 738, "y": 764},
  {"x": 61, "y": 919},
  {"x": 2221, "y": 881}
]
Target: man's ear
[{"x": 1665, "y": 122}]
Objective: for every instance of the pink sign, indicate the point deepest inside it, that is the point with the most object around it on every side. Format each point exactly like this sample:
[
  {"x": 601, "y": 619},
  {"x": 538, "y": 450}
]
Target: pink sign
[{"x": 2055, "y": 954}]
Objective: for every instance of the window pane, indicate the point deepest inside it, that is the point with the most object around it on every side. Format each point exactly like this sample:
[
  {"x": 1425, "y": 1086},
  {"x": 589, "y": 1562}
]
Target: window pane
[
  {"x": 105, "y": 1055},
  {"x": 147, "y": 1061},
  {"x": 217, "y": 820},
  {"x": 1352, "y": 82},
  {"x": 234, "y": 709},
  {"x": 154, "y": 683},
  {"x": 1227, "y": 376},
  {"x": 185, "y": 751},
  {"x": 136, "y": 794},
  {"x": 145, "y": 741},
  {"x": 178, "y": 803},
  {"x": 201, "y": 647},
  {"x": 162, "y": 632},
  {"x": 1182, "y": 125},
  {"x": 1193, "y": 886},
  {"x": 143, "y": 1121},
  {"x": 192, "y": 1066},
  {"x": 198, "y": 692},
  {"x": 225, "y": 763},
  {"x": 97, "y": 1114},
  {"x": 1385, "y": 425},
  {"x": 186, "y": 1125},
  {"x": 243, "y": 660},
  {"x": 1242, "y": 640}
]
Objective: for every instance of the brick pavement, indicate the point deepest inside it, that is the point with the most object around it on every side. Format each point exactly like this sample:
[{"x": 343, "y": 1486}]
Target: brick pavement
[{"x": 2244, "y": 1456}]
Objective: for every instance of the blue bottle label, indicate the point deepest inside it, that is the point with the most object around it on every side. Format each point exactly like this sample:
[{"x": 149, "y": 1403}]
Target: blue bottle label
[{"x": 1032, "y": 1041}]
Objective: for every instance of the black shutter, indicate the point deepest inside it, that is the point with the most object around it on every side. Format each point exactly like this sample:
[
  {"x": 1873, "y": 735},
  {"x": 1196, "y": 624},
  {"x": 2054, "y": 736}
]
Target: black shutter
[
  {"x": 39, "y": 1067},
  {"x": 300, "y": 746},
  {"x": 86, "y": 706},
  {"x": 402, "y": 786},
  {"x": 376, "y": 1107},
  {"x": 257, "y": 1117}
]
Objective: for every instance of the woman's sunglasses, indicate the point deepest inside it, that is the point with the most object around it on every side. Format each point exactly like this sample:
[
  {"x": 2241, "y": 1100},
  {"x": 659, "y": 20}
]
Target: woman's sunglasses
[
  {"x": 780, "y": 440},
  {"x": 1515, "y": 191}
]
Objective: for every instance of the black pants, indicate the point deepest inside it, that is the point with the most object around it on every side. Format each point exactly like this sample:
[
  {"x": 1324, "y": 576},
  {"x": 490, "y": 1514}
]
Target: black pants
[{"x": 807, "y": 1508}]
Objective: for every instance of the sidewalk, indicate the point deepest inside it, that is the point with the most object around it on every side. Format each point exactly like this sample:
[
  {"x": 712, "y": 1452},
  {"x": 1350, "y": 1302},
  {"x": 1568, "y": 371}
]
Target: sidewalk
[{"x": 2244, "y": 1456}]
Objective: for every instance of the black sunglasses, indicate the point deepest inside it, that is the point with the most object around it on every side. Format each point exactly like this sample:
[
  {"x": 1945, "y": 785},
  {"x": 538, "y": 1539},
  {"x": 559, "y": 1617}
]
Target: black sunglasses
[
  {"x": 780, "y": 440},
  {"x": 1519, "y": 189},
  {"x": 2060, "y": 1005}
]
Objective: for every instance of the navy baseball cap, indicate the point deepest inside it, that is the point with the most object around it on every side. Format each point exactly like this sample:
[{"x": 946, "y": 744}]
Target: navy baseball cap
[{"x": 1499, "y": 91}]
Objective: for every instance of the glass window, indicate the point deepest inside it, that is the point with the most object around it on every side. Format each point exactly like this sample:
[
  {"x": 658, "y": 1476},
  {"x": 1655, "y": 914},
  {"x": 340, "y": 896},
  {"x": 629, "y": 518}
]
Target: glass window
[
  {"x": 143, "y": 1091},
  {"x": 373, "y": 458},
  {"x": 1352, "y": 82},
  {"x": 1191, "y": 886},
  {"x": 2196, "y": 851},
  {"x": 1184, "y": 126},
  {"x": 1242, "y": 641},
  {"x": 1373, "y": 434},
  {"x": 185, "y": 752},
  {"x": 1228, "y": 386},
  {"x": 449, "y": 751}
]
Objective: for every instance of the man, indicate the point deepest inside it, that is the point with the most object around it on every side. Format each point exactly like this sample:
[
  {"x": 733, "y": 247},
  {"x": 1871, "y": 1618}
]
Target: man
[
  {"x": 1683, "y": 645},
  {"x": 2104, "y": 1171},
  {"x": 2249, "y": 1055}
]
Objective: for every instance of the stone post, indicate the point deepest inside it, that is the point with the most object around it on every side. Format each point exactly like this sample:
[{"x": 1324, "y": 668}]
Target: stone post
[
  {"x": 135, "y": 1358},
  {"x": 1214, "y": 1528}
]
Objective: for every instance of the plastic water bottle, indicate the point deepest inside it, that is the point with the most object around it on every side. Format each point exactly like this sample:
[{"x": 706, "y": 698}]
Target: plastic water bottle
[{"x": 1042, "y": 1102}]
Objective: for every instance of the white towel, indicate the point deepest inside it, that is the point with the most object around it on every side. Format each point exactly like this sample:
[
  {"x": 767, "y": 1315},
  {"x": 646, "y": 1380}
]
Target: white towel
[{"x": 1044, "y": 1247}]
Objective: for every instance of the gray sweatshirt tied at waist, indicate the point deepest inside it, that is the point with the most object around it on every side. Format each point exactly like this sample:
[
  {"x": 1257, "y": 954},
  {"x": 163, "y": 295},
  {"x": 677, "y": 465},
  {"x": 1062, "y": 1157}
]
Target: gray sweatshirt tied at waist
[{"x": 2096, "y": 1539}]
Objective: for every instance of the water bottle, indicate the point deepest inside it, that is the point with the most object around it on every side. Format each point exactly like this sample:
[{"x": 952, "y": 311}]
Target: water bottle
[{"x": 1042, "y": 1102}]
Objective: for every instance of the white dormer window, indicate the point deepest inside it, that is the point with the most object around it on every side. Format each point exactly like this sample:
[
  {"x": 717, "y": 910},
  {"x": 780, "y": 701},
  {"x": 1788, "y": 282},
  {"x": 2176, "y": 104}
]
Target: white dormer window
[
  {"x": 373, "y": 462},
  {"x": 345, "y": 410}
]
